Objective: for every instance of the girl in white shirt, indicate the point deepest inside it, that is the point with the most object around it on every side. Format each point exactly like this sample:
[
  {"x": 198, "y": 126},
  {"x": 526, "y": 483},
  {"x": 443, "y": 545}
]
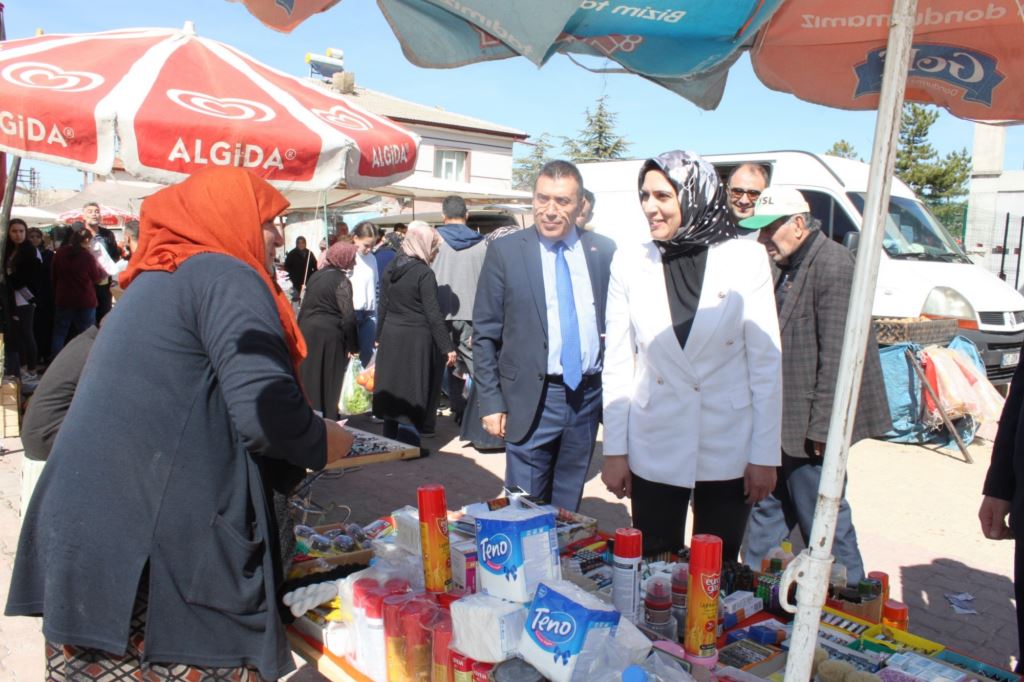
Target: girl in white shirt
[{"x": 365, "y": 281}]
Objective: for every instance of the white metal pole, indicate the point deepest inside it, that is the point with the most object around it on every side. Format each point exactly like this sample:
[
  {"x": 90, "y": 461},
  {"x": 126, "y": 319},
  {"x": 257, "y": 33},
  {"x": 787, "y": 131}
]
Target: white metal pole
[{"x": 811, "y": 569}]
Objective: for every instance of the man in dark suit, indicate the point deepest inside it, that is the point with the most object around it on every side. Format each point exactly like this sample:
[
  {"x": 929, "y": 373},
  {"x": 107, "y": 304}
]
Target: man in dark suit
[
  {"x": 538, "y": 323},
  {"x": 300, "y": 264},
  {"x": 1004, "y": 494},
  {"x": 812, "y": 292}
]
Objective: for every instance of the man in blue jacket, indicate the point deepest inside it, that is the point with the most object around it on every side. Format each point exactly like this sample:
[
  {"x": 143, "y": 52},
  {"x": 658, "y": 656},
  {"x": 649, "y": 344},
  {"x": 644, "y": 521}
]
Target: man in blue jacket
[{"x": 538, "y": 323}]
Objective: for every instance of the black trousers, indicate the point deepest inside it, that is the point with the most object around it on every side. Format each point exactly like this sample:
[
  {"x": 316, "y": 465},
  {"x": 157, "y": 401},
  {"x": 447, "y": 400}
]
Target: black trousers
[
  {"x": 719, "y": 508},
  {"x": 104, "y": 301}
]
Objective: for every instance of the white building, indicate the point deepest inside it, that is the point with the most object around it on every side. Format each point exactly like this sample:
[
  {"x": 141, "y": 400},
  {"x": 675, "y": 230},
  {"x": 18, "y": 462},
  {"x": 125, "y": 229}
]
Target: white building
[{"x": 995, "y": 208}]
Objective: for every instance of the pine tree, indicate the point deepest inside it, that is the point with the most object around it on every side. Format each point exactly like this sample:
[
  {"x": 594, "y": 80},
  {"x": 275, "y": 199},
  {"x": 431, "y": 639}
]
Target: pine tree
[
  {"x": 525, "y": 169},
  {"x": 597, "y": 140},
  {"x": 844, "y": 150},
  {"x": 939, "y": 182}
]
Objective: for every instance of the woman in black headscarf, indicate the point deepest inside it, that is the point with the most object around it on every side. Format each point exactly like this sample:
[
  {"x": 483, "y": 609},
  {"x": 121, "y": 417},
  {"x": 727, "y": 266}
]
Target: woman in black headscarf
[
  {"x": 692, "y": 366},
  {"x": 328, "y": 322}
]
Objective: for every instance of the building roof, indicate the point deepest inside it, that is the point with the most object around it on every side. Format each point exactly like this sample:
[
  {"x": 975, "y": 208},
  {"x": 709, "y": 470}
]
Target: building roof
[{"x": 404, "y": 111}]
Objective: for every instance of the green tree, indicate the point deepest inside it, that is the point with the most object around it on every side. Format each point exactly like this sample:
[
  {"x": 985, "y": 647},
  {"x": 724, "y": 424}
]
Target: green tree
[
  {"x": 525, "y": 169},
  {"x": 941, "y": 182},
  {"x": 844, "y": 150},
  {"x": 597, "y": 140}
]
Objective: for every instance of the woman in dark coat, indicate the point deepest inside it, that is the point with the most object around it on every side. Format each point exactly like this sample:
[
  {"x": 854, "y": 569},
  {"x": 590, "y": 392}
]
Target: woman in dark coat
[
  {"x": 328, "y": 322},
  {"x": 150, "y": 547},
  {"x": 44, "y": 295},
  {"x": 23, "y": 266},
  {"x": 413, "y": 339}
]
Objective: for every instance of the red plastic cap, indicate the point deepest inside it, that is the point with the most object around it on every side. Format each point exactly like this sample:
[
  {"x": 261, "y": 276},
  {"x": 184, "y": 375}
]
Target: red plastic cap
[
  {"x": 397, "y": 586},
  {"x": 431, "y": 501},
  {"x": 895, "y": 610},
  {"x": 373, "y": 601},
  {"x": 360, "y": 588},
  {"x": 629, "y": 543},
  {"x": 413, "y": 617},
  {"x": 882, "y": 577},
  {"x": 705, "y": 554}
]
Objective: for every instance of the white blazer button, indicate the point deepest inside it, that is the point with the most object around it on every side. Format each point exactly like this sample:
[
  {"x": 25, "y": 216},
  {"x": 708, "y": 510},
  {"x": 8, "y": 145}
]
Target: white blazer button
[
  {"x": 721, "y": 294},
  {"x": 696, "y": 387},
  {"x": 660, "y": 380},
  {"x": 729, "y": 342}
]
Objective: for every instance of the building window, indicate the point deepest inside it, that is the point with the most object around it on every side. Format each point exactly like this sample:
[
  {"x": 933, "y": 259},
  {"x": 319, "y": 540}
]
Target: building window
[{"x": 450, "y": 164}]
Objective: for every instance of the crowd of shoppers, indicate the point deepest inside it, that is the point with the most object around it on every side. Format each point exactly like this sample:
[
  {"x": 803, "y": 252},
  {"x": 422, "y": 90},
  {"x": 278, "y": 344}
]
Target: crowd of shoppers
[{"x": 549, "y": 330}]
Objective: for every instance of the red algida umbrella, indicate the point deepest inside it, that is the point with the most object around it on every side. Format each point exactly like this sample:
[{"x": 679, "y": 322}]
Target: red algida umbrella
[{"x": 168, "y": 102}]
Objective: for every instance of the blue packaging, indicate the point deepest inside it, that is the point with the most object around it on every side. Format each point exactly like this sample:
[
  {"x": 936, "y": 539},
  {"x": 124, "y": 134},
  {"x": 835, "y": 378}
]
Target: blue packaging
[
  {"x": 516, "y": 549},
  {"x": 565, "y": 629}
]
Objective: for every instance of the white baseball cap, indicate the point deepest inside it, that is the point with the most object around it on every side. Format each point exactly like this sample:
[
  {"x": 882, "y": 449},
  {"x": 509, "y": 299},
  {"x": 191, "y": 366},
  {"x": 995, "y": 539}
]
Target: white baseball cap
[{"x": 773, "y": 204}]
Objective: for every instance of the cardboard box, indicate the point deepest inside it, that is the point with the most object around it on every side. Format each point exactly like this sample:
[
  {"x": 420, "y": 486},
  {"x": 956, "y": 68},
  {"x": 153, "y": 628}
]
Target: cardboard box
[{"x": 464, "y": 559}]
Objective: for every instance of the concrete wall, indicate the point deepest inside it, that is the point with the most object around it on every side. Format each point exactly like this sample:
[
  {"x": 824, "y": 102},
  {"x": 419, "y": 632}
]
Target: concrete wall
[{"x": 995, "y": 193}]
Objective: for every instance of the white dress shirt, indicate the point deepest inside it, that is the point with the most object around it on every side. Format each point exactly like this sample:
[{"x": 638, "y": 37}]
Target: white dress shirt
[
  {"x": 583, "y": 295},
  {"x": 364, "y": 283}
]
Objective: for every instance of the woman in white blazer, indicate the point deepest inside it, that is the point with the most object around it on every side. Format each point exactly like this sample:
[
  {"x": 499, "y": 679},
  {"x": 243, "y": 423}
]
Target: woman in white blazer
[{"x": 692, "y": 366}]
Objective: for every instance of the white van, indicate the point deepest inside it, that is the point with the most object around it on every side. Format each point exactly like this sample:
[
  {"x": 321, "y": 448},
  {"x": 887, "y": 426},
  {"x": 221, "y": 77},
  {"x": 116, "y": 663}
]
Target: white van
[{"x": 922, "y": 272}]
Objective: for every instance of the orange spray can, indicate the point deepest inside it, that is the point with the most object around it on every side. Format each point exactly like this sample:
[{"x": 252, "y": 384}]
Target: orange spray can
[
  {"x": 437, "y": 560},
  {"x": 702, "y": 592}
]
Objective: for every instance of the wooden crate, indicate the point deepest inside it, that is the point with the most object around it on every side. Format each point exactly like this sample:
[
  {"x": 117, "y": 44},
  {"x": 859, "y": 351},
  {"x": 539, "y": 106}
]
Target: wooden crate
[{"x": 919, "y": 330}]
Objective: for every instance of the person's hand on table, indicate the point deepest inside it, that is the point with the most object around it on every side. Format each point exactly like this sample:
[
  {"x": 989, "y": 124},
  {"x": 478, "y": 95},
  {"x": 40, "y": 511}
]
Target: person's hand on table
[
  {"x": 451, "y": 359},
  {"x": 494, "y": 424},
  {"x": 993, "y": 514},
  {"x": 339, "y": 441},
  {"x": 758, "y": 482},
  {"x": 616, "y": 476}
]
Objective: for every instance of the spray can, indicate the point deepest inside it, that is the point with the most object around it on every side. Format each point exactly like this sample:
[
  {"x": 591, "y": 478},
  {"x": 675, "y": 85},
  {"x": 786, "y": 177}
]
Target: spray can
[
  {"x": 437, "y": 560},
  {"x": 702, "y": 599},
  {"x": 680, "y": 585},
  {"x": 626, "y": 572},
  {"x": 658, "y": 607}
]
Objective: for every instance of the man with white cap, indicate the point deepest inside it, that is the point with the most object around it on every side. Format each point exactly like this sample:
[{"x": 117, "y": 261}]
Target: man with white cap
[{"x": 812, "y": 293}]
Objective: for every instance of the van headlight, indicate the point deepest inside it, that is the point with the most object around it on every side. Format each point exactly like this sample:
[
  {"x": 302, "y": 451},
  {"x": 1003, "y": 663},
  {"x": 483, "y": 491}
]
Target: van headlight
[{"x": 944, "y": 303}]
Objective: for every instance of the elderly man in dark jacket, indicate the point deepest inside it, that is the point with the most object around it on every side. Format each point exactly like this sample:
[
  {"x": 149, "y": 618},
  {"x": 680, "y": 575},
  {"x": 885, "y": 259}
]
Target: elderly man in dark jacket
[{"x": 812, "y": 292}]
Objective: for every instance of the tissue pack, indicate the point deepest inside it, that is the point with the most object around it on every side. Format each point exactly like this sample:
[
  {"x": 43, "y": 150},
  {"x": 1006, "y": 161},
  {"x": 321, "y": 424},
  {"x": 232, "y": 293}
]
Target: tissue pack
[
  {"x": 516, "y": 549},
  {"x": 565, "y": 629},
  {"x": 486, "y": 628}
]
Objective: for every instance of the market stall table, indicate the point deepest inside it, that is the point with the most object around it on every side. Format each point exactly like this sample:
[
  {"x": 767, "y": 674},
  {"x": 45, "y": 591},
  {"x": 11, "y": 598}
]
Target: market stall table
[{"x": 370, "y": 448}]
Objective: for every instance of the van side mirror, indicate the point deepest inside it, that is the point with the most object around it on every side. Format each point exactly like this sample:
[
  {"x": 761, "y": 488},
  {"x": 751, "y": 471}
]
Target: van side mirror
[{"x": 851, "y": 240}]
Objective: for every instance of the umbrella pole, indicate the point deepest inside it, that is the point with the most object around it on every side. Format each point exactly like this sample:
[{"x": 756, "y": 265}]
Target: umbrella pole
[
  {"x": 811, "y": 569},
  {"x": 9, "y": 189}
]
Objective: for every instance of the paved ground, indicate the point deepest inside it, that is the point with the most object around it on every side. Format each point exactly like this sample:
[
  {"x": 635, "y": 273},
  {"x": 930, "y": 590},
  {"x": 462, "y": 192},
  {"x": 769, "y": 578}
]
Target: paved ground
[{"x": 914, "y": 509}]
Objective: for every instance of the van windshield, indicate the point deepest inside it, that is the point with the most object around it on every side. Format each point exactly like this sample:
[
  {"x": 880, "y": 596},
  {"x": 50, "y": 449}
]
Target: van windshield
[{"x": 912, "y": 233}]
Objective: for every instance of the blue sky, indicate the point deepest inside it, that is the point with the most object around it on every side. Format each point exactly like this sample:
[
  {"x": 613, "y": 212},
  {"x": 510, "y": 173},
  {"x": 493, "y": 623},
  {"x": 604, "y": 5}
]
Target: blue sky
[{"x": 511, "y": 92}]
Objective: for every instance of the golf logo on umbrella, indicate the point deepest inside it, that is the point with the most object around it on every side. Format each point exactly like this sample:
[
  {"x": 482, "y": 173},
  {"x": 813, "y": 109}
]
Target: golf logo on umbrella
[
  {"x": 50, "y": 77},
  {"x": 234, "y": 108},
  {"x": 338, "y": 116}
]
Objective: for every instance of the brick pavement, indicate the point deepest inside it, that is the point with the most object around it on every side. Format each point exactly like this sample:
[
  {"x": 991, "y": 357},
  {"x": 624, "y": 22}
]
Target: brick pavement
[{"x": 914, "y": 509}]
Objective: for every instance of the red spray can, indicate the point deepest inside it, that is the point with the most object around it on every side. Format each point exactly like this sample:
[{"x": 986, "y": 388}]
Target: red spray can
[
  {"x": 437, "y": 560},
  {"x": 702, "y": 598}
]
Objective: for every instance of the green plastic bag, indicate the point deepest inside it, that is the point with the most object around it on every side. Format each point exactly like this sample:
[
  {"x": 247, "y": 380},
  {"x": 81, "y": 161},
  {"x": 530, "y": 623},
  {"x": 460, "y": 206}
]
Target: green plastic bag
[{"x": 354, "y": 398}]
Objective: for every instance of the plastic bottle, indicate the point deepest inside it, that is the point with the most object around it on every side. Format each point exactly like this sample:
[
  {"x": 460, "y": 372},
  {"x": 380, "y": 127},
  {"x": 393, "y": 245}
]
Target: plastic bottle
[
  {"x": 883, "y": 578},
  {"x": 373, "y": 658},
  {"x": 787, "y": 553},
  {"x": 359, "y": 591},
  {"x": 896, "y": 615},
  {"x": 626, "y": 572},
  {"x": 437, "y": 560},
  {"x": 441, "y": 670},
  {"x": 418, "y": 655},
  {"x": 680, "y": 585},
  {"x": 837, "y": 577},
  {"x": 394, "y": 638},
  {"x": 658, "y": 607}
]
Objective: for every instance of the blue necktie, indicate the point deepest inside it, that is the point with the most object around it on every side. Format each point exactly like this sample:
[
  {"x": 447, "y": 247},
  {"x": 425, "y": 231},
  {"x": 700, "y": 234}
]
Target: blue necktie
[{"x": 572, "y": 361}]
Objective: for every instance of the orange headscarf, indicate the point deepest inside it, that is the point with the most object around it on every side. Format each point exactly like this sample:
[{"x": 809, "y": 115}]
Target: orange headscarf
[{"x": 216, "y": 210}]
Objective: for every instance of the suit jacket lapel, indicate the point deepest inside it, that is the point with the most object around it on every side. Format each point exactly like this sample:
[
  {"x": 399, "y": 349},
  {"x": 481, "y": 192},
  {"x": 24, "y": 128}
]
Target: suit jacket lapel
[
  {"x": 535, "y": 274},
  {"x": 793, "y": 295},
  {"x": 593, "y": 256}
]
